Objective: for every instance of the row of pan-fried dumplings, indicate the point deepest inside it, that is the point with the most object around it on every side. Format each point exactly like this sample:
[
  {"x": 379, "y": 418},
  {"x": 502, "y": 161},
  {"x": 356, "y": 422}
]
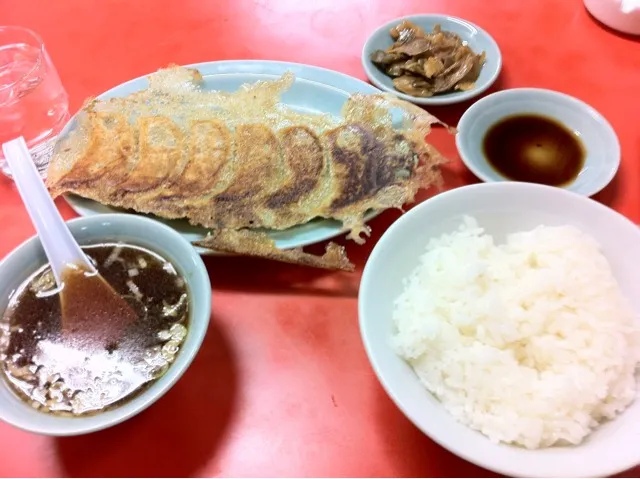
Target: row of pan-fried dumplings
[{"x": 176, "y": 151}]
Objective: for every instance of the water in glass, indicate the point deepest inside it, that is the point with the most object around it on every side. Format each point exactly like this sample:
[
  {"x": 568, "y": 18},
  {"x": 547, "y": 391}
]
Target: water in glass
[{"x": 33, "y": 102}]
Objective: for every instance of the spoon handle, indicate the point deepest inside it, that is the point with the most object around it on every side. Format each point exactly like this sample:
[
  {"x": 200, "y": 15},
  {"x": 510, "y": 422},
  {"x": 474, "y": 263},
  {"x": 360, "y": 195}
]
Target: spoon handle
[{"x": 59, "y": 245}]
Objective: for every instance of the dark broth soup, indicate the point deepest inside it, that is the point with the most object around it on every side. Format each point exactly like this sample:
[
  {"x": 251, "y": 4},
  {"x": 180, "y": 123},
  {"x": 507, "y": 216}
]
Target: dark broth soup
[{"x": 48, "y": 369}]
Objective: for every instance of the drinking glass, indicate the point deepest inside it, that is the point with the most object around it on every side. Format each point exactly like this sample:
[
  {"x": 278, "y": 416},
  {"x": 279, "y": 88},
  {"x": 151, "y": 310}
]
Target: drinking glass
[{"x": 33, "y": 102}]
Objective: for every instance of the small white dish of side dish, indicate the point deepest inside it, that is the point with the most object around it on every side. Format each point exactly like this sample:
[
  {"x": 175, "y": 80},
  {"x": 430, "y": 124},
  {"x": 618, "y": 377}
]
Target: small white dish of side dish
[
  {"x": 475, "y": 37},
  {"x": 134, "y": 230},
  {"x": 501, "y": 209},
  {"x": 599, "y": 139}
]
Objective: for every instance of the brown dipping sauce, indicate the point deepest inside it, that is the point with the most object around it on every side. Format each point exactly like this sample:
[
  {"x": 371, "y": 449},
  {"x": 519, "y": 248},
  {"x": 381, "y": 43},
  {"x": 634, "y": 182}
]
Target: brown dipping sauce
[
  {"x": 52, "y": 373},
  {"x": 535, "y": 149}
]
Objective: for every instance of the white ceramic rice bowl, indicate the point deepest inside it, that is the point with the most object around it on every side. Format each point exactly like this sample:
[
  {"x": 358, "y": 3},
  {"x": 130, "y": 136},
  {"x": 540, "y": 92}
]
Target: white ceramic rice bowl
[{"x": 501, "y": 208}]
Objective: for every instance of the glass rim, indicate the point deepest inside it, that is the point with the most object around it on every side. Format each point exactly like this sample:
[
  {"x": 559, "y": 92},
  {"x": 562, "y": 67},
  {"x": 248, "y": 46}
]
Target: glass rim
[{"x": 41, "y": 52}]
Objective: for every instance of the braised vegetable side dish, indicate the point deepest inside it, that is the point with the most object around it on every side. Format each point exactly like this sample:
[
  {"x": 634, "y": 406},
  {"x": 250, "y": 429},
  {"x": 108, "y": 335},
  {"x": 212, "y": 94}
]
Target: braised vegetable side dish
[
  {"x": 243, "y": 163},
  {"x": 427, "y": 64}
]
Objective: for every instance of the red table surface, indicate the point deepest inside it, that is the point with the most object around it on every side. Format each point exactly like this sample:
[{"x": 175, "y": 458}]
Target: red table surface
[{"x": 282, "y": 385}]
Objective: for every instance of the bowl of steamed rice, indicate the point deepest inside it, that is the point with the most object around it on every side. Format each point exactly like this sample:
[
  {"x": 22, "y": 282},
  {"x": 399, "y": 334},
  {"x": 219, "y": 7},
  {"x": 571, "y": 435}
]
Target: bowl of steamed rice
[{"x": 503, "y": 319}]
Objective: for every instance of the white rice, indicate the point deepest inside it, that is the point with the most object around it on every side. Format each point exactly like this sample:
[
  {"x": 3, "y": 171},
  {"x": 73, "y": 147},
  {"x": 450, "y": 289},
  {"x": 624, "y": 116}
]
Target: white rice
[{"x": 530, "y": 342}]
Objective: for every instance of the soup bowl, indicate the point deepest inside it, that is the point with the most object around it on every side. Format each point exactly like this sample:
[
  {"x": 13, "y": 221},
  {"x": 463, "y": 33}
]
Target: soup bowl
[{"x": 22, "y": 262}]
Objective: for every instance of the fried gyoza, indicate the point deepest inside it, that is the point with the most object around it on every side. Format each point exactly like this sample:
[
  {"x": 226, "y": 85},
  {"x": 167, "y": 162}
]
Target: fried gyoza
[{"x": 243, "y": 160}]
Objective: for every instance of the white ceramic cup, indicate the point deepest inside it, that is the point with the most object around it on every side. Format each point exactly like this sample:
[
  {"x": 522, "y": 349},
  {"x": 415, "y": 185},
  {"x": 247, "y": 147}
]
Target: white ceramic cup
[{"x": 621, "y": 15}]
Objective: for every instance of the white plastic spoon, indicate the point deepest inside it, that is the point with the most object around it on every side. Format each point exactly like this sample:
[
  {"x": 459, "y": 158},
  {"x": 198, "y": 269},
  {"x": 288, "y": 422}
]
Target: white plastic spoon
[
  {"x": 60, "y": 247},
  {"x": 91, "y": 309}
]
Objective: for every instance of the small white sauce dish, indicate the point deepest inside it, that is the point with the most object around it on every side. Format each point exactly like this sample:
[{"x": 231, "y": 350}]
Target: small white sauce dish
[
  {"x": 599, "y": 139},
  {"x": 501, "y": 209},
  {"x": 132, "y": 229},
  {"x": 476, "y": 38}
]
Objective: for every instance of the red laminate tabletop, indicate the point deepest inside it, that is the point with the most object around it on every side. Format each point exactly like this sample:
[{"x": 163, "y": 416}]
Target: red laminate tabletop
[{"x": 282, "y": 385}]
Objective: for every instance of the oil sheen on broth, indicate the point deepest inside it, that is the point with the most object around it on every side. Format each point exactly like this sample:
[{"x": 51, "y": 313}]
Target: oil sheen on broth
[
  {"x": 48, "y": 369},
  {"x": 535, "y": 149}
]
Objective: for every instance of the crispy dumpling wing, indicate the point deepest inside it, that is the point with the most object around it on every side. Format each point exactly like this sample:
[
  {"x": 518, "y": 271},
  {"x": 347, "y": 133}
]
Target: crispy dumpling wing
[{"x": 256, "y": 243}]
